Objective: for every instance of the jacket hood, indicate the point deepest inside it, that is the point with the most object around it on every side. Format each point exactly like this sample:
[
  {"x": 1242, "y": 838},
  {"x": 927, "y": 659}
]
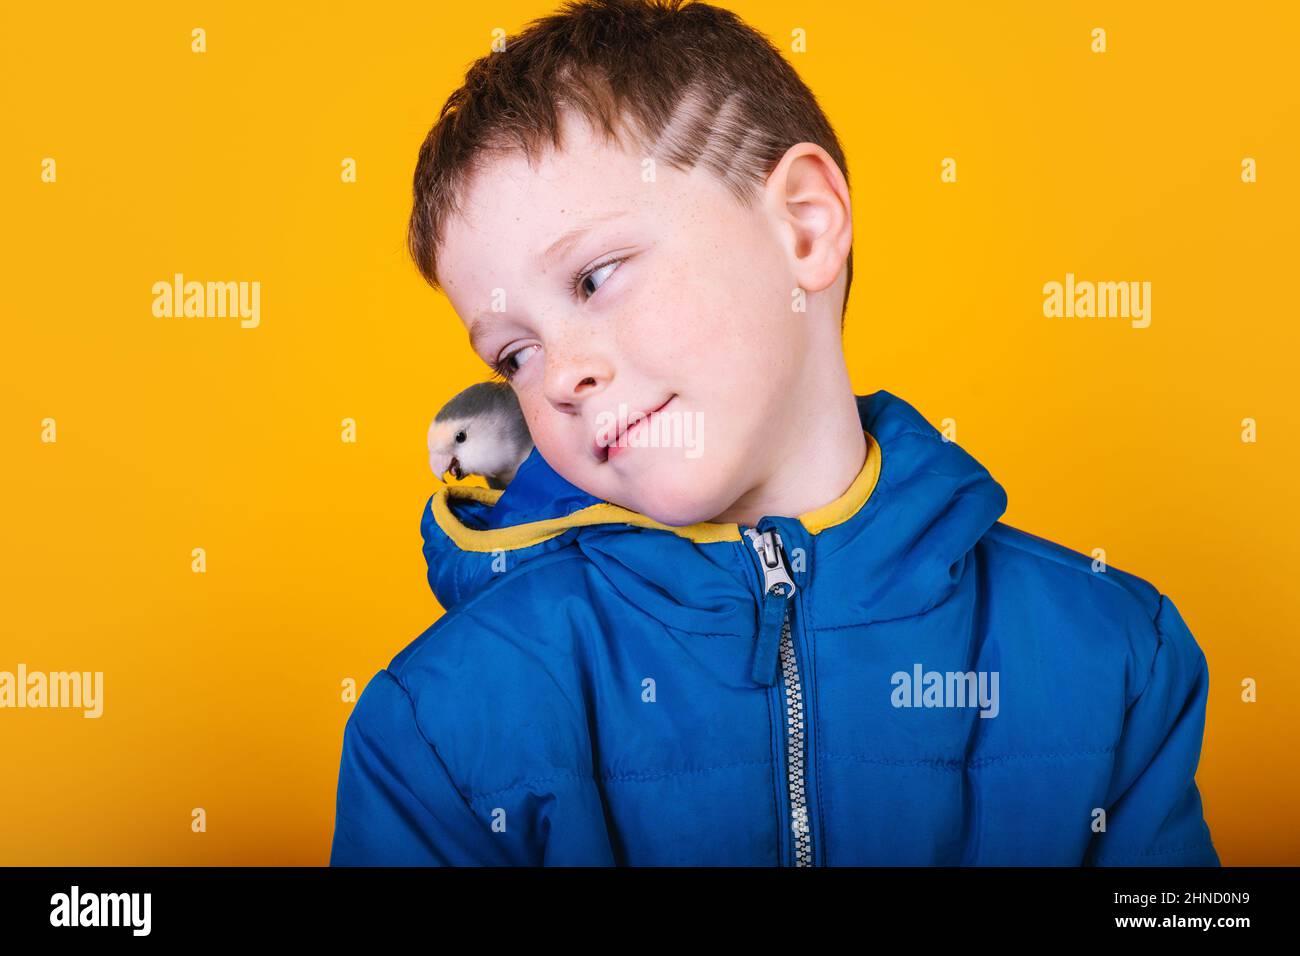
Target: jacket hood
[{"x": 893, "y": 545}]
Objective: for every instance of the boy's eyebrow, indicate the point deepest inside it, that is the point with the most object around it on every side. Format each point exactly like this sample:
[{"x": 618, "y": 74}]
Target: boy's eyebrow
[
  {"x": 569, "y": 237},
  {"x": 478, "y": 327}
]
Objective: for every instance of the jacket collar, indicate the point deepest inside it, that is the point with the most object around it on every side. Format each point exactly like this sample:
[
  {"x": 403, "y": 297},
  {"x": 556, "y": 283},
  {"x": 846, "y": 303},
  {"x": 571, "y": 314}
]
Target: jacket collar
[{"x": 900, "y": 534}]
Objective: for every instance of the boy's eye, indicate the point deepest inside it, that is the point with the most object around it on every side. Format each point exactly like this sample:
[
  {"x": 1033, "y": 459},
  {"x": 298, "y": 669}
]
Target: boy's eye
[
  {"x": 581, "y": 281},
  {"x": 522, "y": 352},
  {"x": 510, "y": 364}
]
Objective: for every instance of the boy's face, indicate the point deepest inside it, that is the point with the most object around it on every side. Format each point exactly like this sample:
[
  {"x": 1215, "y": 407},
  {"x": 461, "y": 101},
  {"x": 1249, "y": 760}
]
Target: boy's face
[{"x": 696, "y": 318}]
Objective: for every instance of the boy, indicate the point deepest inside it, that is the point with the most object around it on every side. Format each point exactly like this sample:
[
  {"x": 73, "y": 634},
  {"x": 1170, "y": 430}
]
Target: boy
[{"x": 792, "y": 631}]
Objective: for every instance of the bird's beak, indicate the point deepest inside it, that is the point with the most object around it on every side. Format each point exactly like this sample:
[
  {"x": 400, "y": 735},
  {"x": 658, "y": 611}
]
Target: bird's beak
[{"x": 444, "y": 463}]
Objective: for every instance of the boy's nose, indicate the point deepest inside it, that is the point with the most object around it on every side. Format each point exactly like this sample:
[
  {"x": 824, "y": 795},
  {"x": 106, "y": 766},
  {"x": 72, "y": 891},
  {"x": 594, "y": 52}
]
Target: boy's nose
[{"x": 574, "y": 381}]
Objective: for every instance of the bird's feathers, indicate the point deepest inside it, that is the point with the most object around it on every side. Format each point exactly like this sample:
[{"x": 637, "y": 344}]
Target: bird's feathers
[{"x": 480, "y": 431}]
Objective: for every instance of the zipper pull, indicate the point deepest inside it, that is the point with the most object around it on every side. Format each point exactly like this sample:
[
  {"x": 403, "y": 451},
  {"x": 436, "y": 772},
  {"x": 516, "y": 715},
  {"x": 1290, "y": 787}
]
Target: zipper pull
[{"x": 778, "y": 586}]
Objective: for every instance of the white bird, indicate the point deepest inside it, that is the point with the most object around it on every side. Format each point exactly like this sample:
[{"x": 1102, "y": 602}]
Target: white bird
[{"x": 482, "y": 431}]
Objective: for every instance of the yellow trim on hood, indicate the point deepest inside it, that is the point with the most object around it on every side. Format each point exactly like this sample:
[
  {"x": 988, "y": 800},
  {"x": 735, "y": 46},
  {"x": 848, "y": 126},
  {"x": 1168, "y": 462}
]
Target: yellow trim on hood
[{"x": 704, "y": 532}]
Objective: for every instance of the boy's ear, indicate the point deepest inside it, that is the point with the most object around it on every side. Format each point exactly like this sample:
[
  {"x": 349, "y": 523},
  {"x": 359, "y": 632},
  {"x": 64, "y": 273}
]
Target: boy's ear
[{"x": 807, "y": 197}]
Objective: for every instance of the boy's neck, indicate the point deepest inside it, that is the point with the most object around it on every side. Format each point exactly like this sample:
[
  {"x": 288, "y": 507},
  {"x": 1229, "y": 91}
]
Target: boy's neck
[{"x": 826, "y": 452}]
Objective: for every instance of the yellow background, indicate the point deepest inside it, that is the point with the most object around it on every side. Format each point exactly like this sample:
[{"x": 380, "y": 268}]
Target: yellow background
[{"x": 222, "y": 690}]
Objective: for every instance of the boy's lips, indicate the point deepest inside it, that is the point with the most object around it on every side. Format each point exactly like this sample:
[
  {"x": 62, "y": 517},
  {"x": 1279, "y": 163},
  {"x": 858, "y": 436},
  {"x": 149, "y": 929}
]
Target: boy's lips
[{"x": 603, "y": 452}]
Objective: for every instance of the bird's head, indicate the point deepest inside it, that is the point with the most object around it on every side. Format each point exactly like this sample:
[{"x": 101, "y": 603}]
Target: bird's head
[{"x": 480, "y": 432}]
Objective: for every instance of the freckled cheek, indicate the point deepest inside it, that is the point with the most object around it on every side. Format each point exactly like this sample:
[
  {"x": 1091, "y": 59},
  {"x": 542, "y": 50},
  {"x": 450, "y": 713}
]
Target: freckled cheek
[
  {"x": 646, "y": 340},
  {"x": 670, "y": 329},
  {"x": 534, "y": 417},
  {"x": 555, "y": 444}
]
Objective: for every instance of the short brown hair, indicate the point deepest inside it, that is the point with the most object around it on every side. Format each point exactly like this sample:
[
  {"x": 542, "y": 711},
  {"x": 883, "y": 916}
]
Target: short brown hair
[{"x": 696, "y": 82}]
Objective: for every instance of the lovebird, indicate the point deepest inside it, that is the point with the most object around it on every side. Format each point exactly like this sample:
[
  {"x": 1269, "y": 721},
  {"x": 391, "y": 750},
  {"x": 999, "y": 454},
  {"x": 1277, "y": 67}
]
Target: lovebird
[{"x": 482, "y": 431}]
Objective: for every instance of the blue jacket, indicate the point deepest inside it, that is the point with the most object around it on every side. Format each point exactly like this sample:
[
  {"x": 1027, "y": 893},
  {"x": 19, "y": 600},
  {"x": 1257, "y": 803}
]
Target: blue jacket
[{"x": 894, "y": 678}]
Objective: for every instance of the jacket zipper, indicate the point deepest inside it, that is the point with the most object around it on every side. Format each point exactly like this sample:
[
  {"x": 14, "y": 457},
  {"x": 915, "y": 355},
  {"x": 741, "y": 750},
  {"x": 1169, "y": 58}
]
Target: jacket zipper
[{"x": 778, "y": 587}]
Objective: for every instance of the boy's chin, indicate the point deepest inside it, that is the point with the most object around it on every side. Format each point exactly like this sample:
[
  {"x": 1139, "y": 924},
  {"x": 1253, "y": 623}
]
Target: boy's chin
[{"x": 677, "y": 498}]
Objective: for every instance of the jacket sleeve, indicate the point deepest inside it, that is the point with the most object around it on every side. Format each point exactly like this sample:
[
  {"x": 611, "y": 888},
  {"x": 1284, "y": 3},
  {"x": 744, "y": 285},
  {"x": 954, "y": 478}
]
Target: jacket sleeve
[
  {"x": 1153, "y": 808},
  {"x": 397, "y": 805}
]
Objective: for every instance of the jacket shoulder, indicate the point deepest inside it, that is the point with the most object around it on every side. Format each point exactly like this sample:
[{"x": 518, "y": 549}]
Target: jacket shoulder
[
  {"x": 505, "y": 670},
  {"x": 1074, "y": 568},
  {"x": 1091, "y": 610},
  {"x": 520, "y": 597}
]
